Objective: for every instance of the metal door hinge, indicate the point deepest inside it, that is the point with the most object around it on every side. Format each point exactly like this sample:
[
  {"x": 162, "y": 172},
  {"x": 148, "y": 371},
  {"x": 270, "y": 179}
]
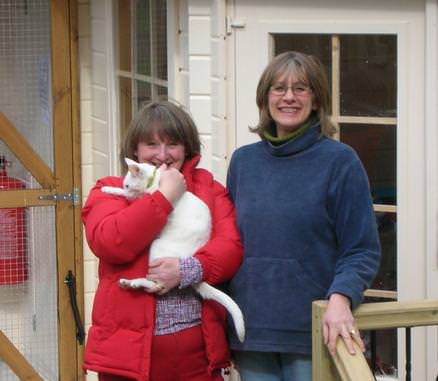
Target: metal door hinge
[
  {"x": 74, "y": 197},
  {"x": 231, "y": 24}
]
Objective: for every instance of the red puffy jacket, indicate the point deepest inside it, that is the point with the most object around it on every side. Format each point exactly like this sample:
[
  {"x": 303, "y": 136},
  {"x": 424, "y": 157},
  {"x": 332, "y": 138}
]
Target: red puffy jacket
[{"x": 120, "y": 232}]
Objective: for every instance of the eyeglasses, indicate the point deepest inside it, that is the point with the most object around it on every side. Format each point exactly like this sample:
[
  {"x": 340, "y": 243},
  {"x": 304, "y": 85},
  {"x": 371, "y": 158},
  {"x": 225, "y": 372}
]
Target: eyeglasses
[{"x": 299, "y": 89}]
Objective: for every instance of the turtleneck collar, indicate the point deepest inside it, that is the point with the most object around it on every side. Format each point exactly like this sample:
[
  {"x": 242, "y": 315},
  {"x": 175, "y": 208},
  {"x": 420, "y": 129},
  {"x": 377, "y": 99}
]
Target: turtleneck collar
[
  {"x": 309, "y": 135},
  {"x": 278, "y": 140}
]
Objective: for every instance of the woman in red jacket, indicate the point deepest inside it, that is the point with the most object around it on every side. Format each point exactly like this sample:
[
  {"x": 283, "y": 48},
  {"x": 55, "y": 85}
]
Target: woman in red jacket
[{"x": 169, "y": 334}]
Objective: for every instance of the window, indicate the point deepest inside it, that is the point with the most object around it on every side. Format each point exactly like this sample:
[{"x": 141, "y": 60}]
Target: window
[
  {"x": 141, "y": 55},
  {"x": 362, "y": 71}
]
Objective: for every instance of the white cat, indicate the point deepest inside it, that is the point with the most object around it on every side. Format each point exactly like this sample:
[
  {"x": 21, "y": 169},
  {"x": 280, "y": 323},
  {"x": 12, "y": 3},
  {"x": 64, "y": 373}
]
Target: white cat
[{"x": 188, "y": 228}]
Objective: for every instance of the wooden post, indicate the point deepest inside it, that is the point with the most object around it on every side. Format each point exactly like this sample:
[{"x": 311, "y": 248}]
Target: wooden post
[{"x": 322, "y": 364}]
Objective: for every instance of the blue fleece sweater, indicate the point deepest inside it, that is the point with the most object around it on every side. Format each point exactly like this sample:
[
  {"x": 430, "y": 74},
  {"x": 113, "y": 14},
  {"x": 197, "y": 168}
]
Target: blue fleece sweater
[{"x": 305, "y": 216}]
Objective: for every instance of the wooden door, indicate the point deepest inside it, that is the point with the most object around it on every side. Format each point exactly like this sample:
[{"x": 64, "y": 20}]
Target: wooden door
[{"x": 40, "y": 233}]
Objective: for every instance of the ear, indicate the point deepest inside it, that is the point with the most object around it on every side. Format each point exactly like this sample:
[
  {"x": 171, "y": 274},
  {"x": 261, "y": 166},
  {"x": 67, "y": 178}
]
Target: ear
[
  {"x": 129, "y": 161},
  {"x": 134, "y": 169}
]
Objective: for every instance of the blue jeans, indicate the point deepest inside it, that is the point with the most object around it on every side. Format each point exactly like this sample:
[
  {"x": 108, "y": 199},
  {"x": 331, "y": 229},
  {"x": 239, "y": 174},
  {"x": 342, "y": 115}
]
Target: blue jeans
[{"x": 271, "y": 366}]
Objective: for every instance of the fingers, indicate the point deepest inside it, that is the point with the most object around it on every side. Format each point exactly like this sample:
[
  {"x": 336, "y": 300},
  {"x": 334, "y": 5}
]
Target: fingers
[
  {"x": 355, "y": 335},
  {"x": 166, "y": 271},
  {"x": 325, "y": 333},
  {"x": 172, "y": 184},
  {"x": 349, "y": 336},
  {"x": 157, "y": 288},
  {"x": 155, "y": 263},
  {"x": 346, "y": 336}
]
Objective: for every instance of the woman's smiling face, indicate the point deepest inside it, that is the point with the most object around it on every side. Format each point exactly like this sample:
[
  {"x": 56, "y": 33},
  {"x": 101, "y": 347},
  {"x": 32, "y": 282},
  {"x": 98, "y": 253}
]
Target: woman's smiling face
[
  {"x": 157, "y": 151},
  {"x": 290, "y": 103}
]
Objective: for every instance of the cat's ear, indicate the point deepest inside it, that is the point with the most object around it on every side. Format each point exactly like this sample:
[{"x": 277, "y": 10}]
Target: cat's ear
[
  {"x": 133, "y": 166},
  {"x": 129, "y": 161},
  {"x": 134, "y": 169}
]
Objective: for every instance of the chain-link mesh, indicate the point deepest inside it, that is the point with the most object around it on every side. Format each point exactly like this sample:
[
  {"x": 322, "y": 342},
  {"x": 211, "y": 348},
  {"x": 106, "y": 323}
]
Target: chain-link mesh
[{"x": 28, "y": 275}]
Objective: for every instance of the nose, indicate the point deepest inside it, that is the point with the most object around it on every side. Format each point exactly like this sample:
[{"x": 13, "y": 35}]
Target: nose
[
  {"x": 162, "y": 152},
  {"x": 289, "y": 94}
]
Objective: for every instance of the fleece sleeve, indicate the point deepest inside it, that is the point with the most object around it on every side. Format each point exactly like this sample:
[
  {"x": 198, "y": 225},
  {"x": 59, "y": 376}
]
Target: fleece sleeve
[
  {"x": 118, "y": 230},
  {"x": 356, "y": 232},
  {"x": 222, "y": 255}
]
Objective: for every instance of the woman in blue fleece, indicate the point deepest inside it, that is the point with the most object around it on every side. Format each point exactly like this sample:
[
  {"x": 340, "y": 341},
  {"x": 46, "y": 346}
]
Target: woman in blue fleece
[{"x": 306, "y": 219}]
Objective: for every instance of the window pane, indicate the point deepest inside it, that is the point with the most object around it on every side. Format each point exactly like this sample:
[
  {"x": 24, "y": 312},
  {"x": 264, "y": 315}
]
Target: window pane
[
  {"x": 368, "y": 77},
  {"x": 160, "y": 39},
  {"x": 386, "y": 279},
  {"x": 376, "y": 147},
  {"x": 161, "y": 91},
  {"x": 314, "y": 44},
  {"x": 124, "y": 35},
  {"x": 384, "y": 346},
  {"x": 143, "y": 93},
  {"x": 143, "y": 37}
]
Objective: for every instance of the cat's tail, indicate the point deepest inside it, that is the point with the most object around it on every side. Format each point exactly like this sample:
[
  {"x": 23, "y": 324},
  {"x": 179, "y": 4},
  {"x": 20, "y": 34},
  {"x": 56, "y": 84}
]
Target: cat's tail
[{"x": 209, "y": 292}]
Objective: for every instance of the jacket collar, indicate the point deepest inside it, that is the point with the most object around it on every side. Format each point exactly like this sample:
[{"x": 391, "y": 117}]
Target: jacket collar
[{"x": 188, "y": 169}]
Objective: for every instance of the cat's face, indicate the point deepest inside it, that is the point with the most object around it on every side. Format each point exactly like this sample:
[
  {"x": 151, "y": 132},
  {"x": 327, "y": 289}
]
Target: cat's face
[{"x": 141, "y": 177}]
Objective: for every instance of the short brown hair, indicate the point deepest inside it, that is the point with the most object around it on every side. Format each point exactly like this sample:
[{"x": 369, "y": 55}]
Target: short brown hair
[
  {"x": 308, "y": 69},
  {"x": 166, "y": 119}
]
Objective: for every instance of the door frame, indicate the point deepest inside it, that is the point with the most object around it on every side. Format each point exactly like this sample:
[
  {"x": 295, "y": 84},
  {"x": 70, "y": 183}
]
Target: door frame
[
  {"x": 65, "y": 177},
  {"x": 66, "y": 113}
]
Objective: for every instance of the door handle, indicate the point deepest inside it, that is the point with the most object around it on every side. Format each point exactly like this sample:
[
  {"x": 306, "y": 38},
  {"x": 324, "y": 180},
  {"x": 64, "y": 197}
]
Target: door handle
[{"x": 70, "y": 281}]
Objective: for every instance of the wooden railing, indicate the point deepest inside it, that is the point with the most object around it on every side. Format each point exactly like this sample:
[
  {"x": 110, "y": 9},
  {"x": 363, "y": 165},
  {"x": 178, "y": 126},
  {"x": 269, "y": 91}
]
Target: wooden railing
[{"x": 370, "y": 316}]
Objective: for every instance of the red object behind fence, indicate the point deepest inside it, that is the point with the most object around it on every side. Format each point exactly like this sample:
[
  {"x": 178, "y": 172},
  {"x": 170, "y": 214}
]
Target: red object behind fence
[{"x": 13, "y": 262}]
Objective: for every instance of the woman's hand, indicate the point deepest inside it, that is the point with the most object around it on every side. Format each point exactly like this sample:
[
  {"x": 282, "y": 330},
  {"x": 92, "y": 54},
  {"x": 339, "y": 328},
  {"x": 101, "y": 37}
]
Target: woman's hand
[
  {"x": 172, "y": 184},
  {"x": 338, "y": 321},
  {"x": 165, "y": 272}
]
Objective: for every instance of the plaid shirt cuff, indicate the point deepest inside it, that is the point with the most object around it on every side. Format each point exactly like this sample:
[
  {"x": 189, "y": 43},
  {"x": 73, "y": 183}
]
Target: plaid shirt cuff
[{"x": 191, "y": 271}]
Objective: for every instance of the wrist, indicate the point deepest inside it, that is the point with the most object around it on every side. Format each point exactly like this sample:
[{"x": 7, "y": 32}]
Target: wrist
[
  {"x": 340, "y": 298},
  {"x": 190, "y": 271}
]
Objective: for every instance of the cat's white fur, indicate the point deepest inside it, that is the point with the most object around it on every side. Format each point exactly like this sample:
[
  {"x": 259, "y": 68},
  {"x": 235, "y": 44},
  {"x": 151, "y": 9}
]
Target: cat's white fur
[{"x": 188, "y": 228}]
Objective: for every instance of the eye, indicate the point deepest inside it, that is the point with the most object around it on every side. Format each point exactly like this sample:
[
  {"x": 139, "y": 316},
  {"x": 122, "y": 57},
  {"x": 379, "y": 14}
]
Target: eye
[
  {"x": 278, "y": 88},
  {"x": 300, "y": 88}
]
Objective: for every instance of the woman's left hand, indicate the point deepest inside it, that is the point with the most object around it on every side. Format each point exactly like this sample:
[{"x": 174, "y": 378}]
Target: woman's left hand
[
  {"x": 338, "y": 321},
  {"x": 165, "y": 272}
]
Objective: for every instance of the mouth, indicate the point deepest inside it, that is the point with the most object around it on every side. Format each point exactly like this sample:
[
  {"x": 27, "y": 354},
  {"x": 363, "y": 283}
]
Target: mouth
[
  {"x": 159, "y": 164},
  {"x": 289, "y": 110}
]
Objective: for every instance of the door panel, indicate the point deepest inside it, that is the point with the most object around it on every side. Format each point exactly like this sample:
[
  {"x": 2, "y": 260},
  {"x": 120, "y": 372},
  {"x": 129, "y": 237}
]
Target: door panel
[
  {"x": 374, "y": 67},
  {"x": 37, "y": 139}
]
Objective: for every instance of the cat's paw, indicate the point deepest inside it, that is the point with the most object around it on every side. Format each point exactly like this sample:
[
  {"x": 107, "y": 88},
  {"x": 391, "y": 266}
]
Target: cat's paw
[
  {"x": 142, "y": 283},
  {"x": 124, "y": 283},
  {"x": 137, "y": 283}
]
